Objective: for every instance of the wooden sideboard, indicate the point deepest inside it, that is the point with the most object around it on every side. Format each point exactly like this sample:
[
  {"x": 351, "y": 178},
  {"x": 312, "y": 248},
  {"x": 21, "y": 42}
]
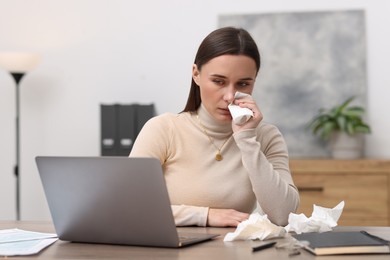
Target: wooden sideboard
[{"x": 364, "y": 185}]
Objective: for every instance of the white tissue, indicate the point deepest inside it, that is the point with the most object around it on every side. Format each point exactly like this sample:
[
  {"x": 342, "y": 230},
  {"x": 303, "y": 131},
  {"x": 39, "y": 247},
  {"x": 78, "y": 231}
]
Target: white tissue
[
  {"x": 239, "y": 114},
  {"x": 256, "y": 227},
  {"x": 322, "y": 220}
]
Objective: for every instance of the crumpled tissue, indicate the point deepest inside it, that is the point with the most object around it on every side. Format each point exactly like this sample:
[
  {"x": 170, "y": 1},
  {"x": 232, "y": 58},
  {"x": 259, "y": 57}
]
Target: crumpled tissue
[
  {"x": 256, "y": 227},
  {"x": 322, "y": 220},
  {"x": 240, "y": 115}
]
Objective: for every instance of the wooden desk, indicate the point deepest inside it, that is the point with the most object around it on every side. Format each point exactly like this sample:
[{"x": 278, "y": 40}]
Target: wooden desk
[{"x": 215, "y": 249}]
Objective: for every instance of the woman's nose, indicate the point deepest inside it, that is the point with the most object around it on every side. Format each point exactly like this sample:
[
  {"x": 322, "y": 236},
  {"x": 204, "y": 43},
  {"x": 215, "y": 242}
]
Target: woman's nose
[{"x": 229, "y": 95}]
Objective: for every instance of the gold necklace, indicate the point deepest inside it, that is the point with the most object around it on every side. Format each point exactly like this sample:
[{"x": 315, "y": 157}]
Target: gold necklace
[{"x": 218, "y": 155}]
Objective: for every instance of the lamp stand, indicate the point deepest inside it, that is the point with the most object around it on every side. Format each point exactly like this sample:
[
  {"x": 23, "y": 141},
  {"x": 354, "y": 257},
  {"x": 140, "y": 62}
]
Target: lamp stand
[
  {"x": 17, "y": 77},
  {"x": 18, "y": 64}
]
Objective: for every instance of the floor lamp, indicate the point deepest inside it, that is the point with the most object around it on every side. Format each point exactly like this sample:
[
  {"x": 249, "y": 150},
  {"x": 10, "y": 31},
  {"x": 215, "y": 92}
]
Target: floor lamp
[{"x": 18, "y": 64}]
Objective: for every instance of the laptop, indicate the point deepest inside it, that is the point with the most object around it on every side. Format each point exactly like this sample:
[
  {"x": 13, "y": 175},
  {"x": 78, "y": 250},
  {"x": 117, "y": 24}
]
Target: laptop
[{"x": 111, "y": 200}]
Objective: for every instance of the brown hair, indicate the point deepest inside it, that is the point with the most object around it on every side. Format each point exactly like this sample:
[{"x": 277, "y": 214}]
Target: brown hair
[{"x": 226, "y": 40}]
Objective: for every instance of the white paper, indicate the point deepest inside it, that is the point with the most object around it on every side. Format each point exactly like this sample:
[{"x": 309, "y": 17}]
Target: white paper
[
  {"x": 322, "y": 220},
  {"x": 239, "y": 114},
  {"x": 256, "y": 227},
  {"x": 21, "y": 242}
]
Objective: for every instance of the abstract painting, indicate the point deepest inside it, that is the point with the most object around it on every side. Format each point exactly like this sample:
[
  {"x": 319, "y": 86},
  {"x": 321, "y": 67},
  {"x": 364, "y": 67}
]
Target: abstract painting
[{"x": 309, "y": 60}]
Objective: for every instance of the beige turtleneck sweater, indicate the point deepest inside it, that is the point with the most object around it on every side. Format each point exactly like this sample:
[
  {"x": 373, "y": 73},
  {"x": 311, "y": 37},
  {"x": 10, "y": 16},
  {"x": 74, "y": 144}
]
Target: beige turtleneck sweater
[{"x": 254, "y": 169}]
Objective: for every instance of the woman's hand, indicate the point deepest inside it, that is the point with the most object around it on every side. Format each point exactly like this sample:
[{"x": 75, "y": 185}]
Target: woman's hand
[
  {"x": 225, "y": 217},
  {"x": 250, "y": 103}
]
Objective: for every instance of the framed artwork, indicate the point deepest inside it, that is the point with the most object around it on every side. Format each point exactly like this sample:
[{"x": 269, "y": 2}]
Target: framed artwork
[{"x": 309, "y": 60}]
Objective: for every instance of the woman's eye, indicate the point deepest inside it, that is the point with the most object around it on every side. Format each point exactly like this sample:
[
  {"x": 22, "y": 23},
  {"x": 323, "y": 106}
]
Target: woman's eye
[
  {"x": 243, "y": 84},
  {"x": 218, "y": 81}
]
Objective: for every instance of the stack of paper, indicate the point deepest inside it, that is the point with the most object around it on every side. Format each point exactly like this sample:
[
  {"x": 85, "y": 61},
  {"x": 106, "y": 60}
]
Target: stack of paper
[{"x": 21, "y": 242}]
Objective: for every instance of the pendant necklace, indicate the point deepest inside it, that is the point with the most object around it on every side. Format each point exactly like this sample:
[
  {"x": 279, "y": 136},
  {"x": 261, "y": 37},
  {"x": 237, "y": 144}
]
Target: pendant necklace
[{"x": 218, "y": 155}]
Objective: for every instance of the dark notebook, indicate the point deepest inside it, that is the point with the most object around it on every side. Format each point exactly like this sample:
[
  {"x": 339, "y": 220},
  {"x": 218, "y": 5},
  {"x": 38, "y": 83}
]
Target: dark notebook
[{"x": 336, "y": 243}]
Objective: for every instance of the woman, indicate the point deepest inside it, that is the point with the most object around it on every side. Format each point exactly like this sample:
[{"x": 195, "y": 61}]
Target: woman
[{"x": 217, "y": 172}]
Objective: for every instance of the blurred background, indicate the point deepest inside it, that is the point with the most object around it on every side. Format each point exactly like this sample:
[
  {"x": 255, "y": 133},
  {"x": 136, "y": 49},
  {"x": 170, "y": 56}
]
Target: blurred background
[{"x": 97, "y": 52}]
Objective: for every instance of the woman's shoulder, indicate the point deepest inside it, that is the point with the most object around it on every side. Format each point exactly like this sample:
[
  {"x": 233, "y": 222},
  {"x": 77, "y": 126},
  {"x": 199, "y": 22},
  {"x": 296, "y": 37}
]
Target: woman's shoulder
[
  {"x": 267, "y": 127},
  {"x": 168, "y": 118}
]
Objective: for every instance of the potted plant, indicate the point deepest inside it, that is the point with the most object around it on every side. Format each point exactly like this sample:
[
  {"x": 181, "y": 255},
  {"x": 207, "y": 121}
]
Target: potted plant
[{"x": 343, "y": 125}]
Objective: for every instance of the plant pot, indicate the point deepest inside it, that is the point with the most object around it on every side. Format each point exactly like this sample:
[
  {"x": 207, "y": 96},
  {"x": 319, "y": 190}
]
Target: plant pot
[{"x": 344, "y": 146}]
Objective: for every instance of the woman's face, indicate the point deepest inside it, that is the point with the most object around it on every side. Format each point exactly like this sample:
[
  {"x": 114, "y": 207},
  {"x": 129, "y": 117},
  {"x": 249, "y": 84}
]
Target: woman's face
[{"x": 220, "y": 78}]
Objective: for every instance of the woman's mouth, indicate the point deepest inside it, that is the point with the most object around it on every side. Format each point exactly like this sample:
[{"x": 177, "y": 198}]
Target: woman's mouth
[{"x": 224, "y": 111}]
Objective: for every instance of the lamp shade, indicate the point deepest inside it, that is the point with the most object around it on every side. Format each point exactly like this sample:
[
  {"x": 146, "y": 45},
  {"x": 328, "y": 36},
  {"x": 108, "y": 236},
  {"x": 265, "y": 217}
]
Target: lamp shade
[{"x": 19, "y": 62}]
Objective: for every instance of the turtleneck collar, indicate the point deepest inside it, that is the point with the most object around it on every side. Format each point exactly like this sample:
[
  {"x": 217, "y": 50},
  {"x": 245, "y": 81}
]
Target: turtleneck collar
[{"x": 212, "y": 126}]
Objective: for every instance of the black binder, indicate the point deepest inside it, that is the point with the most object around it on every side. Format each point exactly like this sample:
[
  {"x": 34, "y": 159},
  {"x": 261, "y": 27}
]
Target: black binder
[
  {"x": 142, "y": 115},
  {"x": 126, "y": 129},
  {"x": 108, "y": 130},
  {"x": 120, "y": 125}
]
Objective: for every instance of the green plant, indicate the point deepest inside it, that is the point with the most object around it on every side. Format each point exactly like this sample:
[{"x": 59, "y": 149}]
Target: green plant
[{"x": 344, "y": 118}]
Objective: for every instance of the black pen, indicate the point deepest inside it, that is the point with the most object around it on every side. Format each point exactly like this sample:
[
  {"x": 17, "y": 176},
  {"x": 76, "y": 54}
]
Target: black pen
[{"x": 263, "y": 246}]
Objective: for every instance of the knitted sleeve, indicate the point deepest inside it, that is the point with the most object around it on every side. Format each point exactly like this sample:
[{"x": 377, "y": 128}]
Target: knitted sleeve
[{"x": 265, "y": 157}]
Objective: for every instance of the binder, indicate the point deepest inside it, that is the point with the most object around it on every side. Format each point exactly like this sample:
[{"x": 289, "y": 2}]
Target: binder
[
  {"x": 120, "y": 125},
  {"x": 108, "y": 130},
  {"x": 126, "y": 129},
  {"x": 143, "y": 114}
]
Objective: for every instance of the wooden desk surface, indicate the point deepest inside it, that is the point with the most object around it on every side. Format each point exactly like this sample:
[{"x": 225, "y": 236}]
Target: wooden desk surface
[{"x": 215, "y": 249}]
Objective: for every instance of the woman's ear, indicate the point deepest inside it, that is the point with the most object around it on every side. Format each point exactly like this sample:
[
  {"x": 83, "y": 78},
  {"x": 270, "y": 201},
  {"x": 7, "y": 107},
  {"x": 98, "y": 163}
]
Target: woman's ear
[{"x": 195, "y": 74}]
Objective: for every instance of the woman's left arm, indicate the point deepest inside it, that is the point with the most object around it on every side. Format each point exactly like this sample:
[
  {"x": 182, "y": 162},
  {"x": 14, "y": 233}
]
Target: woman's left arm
[{"x": 265, "y": 157}]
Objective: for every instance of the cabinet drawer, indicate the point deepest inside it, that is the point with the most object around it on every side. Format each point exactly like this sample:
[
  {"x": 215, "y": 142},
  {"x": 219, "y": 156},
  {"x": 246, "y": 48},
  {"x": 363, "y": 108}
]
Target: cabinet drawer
[{"x": 365, "y": 196}]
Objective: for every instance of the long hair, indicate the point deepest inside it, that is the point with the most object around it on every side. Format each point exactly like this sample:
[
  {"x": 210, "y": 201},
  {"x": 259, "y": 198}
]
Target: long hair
[{"x": 226, "y": 40}]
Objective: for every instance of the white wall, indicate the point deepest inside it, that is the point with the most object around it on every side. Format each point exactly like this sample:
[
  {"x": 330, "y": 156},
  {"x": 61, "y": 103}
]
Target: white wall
[{"x": 106, "y": 51}]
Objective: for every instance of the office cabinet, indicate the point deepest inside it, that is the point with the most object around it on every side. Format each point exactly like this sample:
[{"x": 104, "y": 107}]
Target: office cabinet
[
  {"x": 364, "y": 185},
  {"x": 120, "y": 125}
]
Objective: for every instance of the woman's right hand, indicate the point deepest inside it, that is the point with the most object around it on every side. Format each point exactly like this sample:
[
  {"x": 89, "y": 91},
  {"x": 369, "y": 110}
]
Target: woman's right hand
[{"x": 225, "y": 217}]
